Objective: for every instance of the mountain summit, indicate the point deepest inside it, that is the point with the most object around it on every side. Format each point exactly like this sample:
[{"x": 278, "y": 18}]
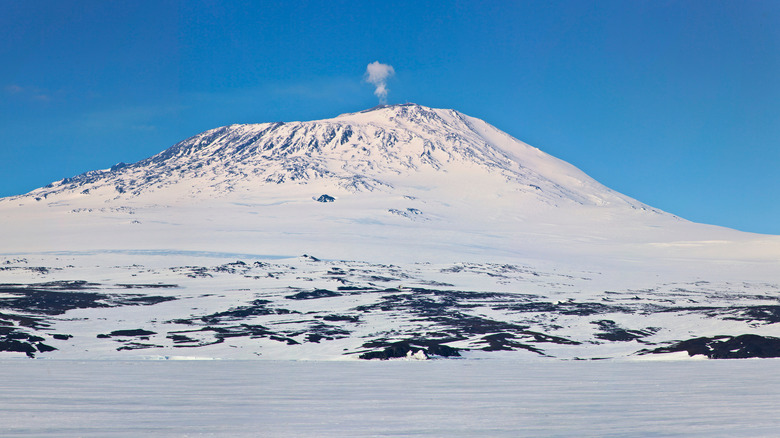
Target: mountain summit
[{"x": 361, "y": 151}]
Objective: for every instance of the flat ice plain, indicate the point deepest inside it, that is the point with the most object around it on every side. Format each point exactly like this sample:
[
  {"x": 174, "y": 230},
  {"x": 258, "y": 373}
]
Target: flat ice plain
[{"x": 491, "y": 397}]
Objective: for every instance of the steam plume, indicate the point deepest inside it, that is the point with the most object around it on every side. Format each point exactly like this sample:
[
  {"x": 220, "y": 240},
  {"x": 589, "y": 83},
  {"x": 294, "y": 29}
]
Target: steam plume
[{"x": 377, "y": 74}]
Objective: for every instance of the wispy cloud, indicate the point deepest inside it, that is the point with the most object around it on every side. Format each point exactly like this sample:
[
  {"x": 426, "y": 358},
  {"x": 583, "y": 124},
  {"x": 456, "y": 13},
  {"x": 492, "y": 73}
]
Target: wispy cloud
[
  {"x": 14, "y": 89},
  {"x": 30, "y": 93},
  {"x": 136, "y": 118},
  {"x": 377, "y": 74}
]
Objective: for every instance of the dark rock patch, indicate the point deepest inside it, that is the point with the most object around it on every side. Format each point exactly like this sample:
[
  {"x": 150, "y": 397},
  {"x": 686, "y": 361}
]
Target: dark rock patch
[
  {"x": 13, "y": 345},
  {"x": 221, "y": 333},
  {"x": 445, "y": 311},
  {"x": 400, "y": 349},
  {"x": 49, "y": 302},
  {"x": 44, "y": 348},
  {"x": 381, "y": 278},
  {"x": 355, "y": 288},
  {"x": 33, "y": 322},
  {"x": 726, "y": 347},
  {"x": 335, "y": 271},
  {"x": 255, "y": 308},
  {"x": 194, "y": 271},
  {"x": 12, "y": 339},
  {"x": 504, "y": 341},
  {"x": 566, "y": 308},
  {"x": 315, "y": 338},
  {"x": 289, "y": 341},
  {"x": 327, "y": 332},
  {"x": 232, "y": 268},
  {"x": 177, "y": 339},
  {"x": 137, "y": 346},
  {"x": 127, "y": 333},
  {"x": 56, "y": 298},
  {"x": 148, "y": 286},
  {"x": 335, "y": 318},
  {"x": 312, "y": 295},
  {"x": 610, "y": 331},
  {"x": 55, "y": 285},
  {"x": 763, "y": 314},
  {"x": 138, "y": 300},
  {"x": 38, "y": 301},
  {"x": 428, "y": 301},
  {"x": 325, "y": 198}
]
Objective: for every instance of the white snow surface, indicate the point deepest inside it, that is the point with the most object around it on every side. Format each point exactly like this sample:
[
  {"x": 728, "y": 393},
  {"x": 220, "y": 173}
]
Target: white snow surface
[
  {"x": 496, "y": 398},
  {"x": 423, "y": 198}
]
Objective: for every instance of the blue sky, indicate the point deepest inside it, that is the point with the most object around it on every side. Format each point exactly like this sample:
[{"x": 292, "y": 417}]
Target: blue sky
[{"x": 676, "y": 104}]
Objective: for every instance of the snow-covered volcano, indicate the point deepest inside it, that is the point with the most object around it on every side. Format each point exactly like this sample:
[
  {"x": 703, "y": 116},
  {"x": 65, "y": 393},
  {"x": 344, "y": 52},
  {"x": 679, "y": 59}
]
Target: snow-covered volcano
[
  {"x": 427, "y": 227},
  {"x": 362, "y": 151},
  {"x": 405, "y": 180}
]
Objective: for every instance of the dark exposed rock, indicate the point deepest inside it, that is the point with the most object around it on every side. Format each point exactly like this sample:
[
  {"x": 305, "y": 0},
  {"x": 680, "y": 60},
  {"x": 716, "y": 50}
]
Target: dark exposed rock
[
  {"x": 49, "y": 302},
  {"x": 18, "y": 346},
  {"x": 256, "y": 308},
  {"x": 312, "y": 295},
  {"x": 180, "y": 338},
  {"x": 138, "y": 300},
  {"x": 328, "y": 331},
  {"x": 232, "y": 268},
  {"x": 13, "y": 339},
  {"x": 147, "y": 286},
  {"x": 137, "y": 346},
  {"x": 347, "y": 318},
  {"x": 22, "y": 320},
  {"x": 44, "y": 348},
  {"x": 767, "y": 314},
  {"x": 726, "y": 347},
  {"x": 326, "y": 198},
  {"x": 566, "y": 308},
  {"x": 404, "y": 348},
  {"x": 127, "y": 333},
  {"x": 504, "y": 341},
  {"x": 56, "y": 298},
  {"x": 220, "y": 333},
  {"x": 612, "y": 332}
]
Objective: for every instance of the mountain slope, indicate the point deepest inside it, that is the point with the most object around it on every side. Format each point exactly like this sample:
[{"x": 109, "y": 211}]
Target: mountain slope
[{"x": 358, "y": 151}]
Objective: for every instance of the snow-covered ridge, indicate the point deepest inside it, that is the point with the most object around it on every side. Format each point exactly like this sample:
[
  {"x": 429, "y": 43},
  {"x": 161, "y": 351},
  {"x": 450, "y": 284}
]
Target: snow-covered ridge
[{"x": 358, "y": 151}]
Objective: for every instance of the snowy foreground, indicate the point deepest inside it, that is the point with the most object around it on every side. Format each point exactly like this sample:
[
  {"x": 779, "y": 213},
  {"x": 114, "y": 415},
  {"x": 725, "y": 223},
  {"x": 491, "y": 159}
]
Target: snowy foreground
[
  {"x": 110, "y": 306},
  {"x": 395, "y": 398}
]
